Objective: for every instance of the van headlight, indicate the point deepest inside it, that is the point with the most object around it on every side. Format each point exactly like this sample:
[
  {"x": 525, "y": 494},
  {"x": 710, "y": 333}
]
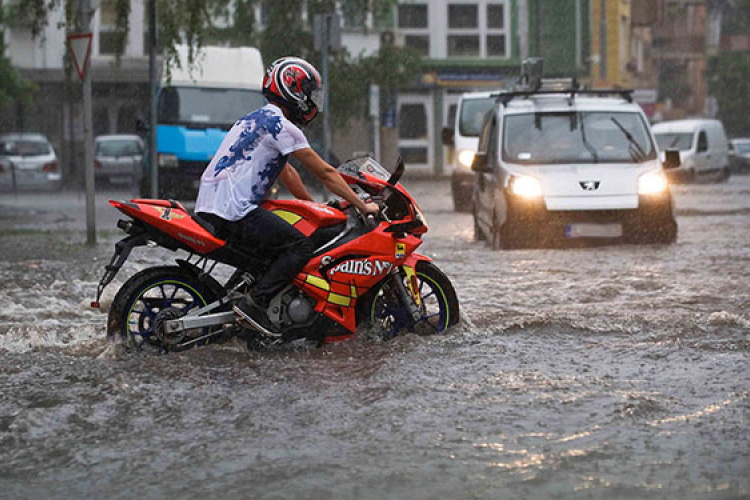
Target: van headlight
[
  {"x": 465, "y": 158},
  {"x": 654, "y": 182},
  {"x": 525, "y": 186}
]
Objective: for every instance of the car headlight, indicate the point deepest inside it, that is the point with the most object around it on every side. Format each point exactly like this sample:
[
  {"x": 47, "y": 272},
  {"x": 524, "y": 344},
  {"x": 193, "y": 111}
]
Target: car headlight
[
  {"x": 465, "y": 157},
  {"x": 526, "y": 186},
  {"x": 169, "y": 161},
  {"x": 652, "y": 183}
]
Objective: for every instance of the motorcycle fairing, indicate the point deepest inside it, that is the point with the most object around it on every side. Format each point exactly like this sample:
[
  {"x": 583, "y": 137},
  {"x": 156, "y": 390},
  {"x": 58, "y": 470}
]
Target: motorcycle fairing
[
  {"x": 354, "y": 268},
  {"x": 306, "y": 216},
  {"x": 171, "y": 218}
]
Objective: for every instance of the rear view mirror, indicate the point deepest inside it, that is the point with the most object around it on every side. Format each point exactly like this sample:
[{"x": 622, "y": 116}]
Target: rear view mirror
[
  {"x": 672, "y": 159},
  {"x": 480, "y": 164},
  {"x": 448, "y": 139}
]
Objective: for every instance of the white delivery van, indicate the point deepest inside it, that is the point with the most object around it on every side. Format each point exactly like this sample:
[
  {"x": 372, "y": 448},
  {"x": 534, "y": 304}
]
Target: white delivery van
[
  {"x": 569, "y": 166},
  {"x": 464, "y": 137},
  {"x": 703, "y": 147}
]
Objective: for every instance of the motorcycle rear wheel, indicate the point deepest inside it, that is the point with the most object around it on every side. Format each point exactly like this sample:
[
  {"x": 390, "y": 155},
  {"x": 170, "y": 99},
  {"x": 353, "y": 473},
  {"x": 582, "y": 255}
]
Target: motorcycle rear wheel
[
  {"x": 384, "y": 313},
  {"x": 153, "y": 296}
]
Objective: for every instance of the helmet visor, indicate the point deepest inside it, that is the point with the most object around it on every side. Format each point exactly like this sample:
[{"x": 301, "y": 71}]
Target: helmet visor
[{"x": 318, "y": 97}]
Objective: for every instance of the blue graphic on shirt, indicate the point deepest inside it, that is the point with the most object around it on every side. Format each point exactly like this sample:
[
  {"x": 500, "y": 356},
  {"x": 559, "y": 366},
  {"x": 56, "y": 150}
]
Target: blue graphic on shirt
[
  {"x": 259, "y": 123},
  {"x": 267, "y": 177}
]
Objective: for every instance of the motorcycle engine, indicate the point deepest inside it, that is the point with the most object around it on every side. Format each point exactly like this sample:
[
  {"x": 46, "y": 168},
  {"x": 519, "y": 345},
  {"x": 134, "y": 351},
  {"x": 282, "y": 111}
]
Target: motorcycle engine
[
  {"x": 290, "y": 307},
  {"x": 299, "y": 309}
]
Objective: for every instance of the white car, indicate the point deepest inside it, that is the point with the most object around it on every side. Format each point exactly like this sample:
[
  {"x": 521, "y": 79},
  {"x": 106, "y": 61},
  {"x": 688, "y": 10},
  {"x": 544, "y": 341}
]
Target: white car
[
  {"x": 563, "y": 166},
  {"x": 28, "y": 162},
  {"x": 703, "y": 147}
]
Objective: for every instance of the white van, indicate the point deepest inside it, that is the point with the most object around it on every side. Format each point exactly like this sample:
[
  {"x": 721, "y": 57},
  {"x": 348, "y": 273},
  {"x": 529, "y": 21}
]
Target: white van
[
  {"x": 464, "y": 137},
  {"x": 703, "y": 147},
  {"x": 556, "y": 167}
]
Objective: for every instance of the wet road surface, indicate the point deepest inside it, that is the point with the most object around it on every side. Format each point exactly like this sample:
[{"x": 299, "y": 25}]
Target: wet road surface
[{"x": 608, "y": 372}]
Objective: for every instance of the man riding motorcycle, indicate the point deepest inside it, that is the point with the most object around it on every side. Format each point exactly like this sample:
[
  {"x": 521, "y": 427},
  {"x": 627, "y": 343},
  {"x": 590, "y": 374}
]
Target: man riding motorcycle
[{"x": 250, "y": 159}]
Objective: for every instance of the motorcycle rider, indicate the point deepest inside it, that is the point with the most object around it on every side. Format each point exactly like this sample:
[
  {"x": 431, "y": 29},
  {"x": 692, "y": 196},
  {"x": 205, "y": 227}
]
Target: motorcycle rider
[{"x": 250, "y": 159}]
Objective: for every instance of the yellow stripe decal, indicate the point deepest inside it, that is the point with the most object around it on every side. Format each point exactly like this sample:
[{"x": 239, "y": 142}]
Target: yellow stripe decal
[
  {"x": 318, "y": 282},
  {"x": 288, "y": 216},
  {"x": 339, "y": 300},
  {"x": 354, "y": 291}
]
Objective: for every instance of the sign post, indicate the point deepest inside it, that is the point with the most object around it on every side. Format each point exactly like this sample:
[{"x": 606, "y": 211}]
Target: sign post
[
  {"x": 327, "y": 33},
  {"x": 80, "y": 48}
]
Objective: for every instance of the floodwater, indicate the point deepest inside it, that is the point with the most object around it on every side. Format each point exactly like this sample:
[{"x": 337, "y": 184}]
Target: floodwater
[{"x": 608, "y": 372}]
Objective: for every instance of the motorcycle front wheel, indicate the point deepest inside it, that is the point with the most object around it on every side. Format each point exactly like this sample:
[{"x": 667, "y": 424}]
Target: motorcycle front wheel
[
  {"x": 384, "y": 312},
  {"x": 150, "y": 298}
]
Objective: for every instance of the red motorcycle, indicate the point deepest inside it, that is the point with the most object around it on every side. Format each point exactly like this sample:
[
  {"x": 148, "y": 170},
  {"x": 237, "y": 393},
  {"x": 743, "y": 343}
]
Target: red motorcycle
[{"x": 364, "y": 272}]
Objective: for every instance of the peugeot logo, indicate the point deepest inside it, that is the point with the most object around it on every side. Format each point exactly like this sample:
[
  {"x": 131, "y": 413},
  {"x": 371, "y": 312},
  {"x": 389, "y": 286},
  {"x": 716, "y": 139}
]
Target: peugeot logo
[{"x": 589, "y": 185}]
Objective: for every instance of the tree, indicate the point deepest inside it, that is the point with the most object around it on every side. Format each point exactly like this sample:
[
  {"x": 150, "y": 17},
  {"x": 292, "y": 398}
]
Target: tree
[
  {"x": 232, "y": 22},
  {"x": 728, "y": 82},
  {"x": 12, "y": 86}
]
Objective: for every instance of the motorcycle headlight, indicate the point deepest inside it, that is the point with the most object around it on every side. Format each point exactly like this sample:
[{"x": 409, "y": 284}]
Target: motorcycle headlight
[
  {"x": 525, "y": 186},
  {"x": 465, "y": 158},
  {"x": 652, "y": 183}
]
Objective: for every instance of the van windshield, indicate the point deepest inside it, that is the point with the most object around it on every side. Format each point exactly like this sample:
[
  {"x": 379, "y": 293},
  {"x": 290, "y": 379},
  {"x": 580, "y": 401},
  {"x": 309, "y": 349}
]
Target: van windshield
[
  {"x": 683, "y": 142},
  {"x": 203, "y": 107},
  {"x": 472, "y": 115},
  {"x": 576, "y": 137}
]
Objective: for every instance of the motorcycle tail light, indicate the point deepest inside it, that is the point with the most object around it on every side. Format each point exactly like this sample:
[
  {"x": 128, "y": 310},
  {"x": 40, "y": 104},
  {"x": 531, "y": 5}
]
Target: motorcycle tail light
[{"x": 50, "y": 166}]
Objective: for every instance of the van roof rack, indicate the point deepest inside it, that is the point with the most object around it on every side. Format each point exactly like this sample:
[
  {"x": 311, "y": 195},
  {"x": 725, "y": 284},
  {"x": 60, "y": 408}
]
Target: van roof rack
[
  {"x": 530, "y": 83},
  {"x": 506, "y": 96}
]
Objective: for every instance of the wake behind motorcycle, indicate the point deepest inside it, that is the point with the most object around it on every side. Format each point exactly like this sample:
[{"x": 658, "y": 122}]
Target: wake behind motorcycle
[{"x": 364, "y": 273}]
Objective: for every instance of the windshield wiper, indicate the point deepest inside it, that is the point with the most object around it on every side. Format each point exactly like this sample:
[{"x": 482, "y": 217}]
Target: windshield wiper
[
  {"x": 639, "y": 155},
  {"x": 588, "y": 146}
]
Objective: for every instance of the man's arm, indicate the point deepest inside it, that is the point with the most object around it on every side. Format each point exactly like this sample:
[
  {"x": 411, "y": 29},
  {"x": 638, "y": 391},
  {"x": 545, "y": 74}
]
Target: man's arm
[
  {"x": 332, "y": 180},
  {"x": 291, "y": 179}
]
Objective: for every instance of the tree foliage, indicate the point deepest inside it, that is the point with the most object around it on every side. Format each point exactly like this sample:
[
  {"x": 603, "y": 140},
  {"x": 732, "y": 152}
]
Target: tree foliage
[
  {"x": 284, "y": 32},
  {"x": 728, "y": 82}
]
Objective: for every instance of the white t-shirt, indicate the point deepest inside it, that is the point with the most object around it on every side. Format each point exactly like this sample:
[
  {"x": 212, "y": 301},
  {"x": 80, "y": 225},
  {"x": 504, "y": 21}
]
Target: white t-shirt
[{"x": 248, "y": 162}]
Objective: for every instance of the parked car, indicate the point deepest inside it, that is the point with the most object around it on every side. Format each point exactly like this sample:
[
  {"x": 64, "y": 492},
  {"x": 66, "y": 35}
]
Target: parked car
[
  {"x": 28, "y": 162},
  {"x": 118, "y": 159},
  {"x": 464, "y": 137},
  {"x": 568, "y": 167},
  {"x": 739, "y": 156},
  {"x": 703, "y": 146}
]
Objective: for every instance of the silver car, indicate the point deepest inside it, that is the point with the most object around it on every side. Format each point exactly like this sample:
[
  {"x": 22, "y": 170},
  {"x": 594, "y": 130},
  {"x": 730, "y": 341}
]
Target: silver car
[
  {"x": 28, "y": 162},
  {"x": 118, "y": 159}
]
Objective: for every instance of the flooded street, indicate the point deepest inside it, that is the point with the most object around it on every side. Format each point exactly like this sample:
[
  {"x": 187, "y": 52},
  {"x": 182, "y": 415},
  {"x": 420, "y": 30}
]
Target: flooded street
[{"x": 607, "y": 372}]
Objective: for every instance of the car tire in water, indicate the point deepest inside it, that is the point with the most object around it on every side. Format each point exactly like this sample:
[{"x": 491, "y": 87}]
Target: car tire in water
[{"x": 151, "y": 296}]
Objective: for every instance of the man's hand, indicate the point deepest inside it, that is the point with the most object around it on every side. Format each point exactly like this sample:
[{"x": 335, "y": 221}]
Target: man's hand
[
  {"x": 370, "y": 209},
  {"x": 332, "y": 180}
]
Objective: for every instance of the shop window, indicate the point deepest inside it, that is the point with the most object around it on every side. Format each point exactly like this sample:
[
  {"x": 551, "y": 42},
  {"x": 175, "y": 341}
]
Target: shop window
[
  {"x": 413, "y": 154},
  {"x": 412, "y": 121}
]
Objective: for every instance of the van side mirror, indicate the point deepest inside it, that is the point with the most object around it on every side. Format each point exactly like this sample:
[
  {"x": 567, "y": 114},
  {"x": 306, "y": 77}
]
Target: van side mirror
[
  {"x": 672, "y": 159},
  {"x": 448, "y": 136},
  {"x": 480, "y": 164}
]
